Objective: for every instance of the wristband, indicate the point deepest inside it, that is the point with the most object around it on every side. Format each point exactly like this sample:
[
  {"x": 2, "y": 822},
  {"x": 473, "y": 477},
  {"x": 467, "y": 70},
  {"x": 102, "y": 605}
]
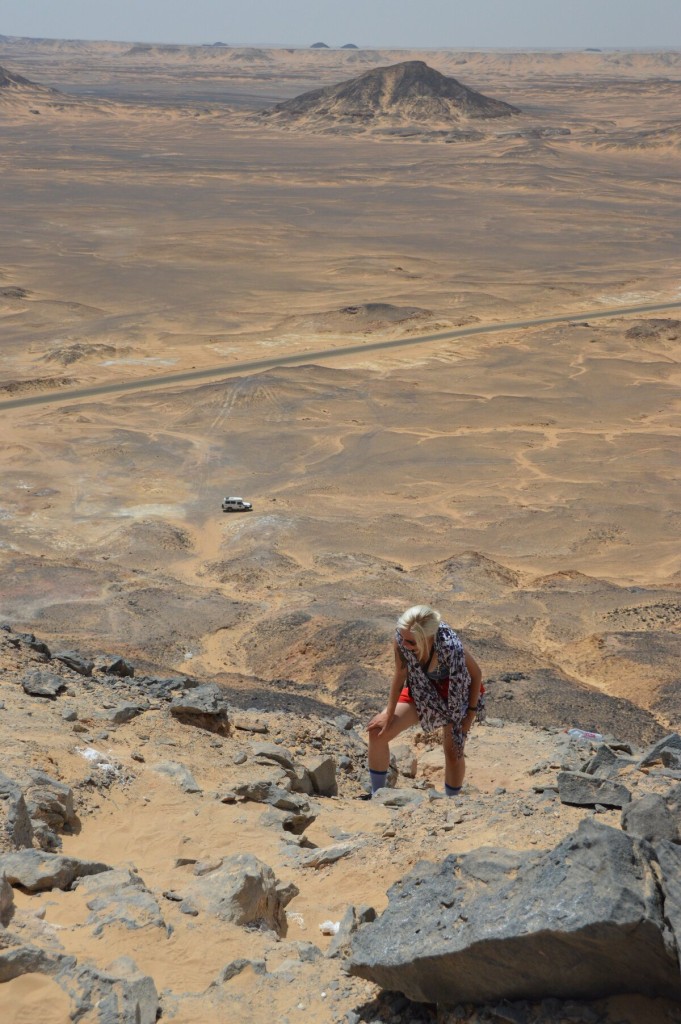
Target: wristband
[{"x": 472, "y": 707}]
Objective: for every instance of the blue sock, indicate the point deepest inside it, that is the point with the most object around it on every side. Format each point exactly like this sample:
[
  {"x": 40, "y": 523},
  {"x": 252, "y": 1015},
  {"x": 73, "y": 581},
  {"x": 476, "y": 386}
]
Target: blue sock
[
  {"x": 452, "y": 790},
  {"x": 378, "y": 779}
]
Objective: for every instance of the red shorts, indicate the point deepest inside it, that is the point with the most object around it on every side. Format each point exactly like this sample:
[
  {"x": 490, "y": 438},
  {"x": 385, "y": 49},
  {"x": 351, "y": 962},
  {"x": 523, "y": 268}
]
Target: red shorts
[{"x": 442, "y": 688}]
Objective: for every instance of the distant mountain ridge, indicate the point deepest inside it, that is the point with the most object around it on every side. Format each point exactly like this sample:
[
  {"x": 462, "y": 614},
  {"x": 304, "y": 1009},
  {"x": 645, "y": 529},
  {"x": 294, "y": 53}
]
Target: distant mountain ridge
[
  {"x": 10, "y": 80},
  {"x": 411, "y": 91}
]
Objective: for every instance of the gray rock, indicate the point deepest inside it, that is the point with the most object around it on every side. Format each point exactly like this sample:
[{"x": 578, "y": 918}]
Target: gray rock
[
  {"x": 42, "y": 684},
  {"x": 322, "y": 771},
  {"x": 50, "y": 806},
  {"x": 231, "y": 970},
  {"x": 406, "y": 761},
  {"x": 353, "y": 918},
  {"x": 652, "y": 755},
  {"x": 125, "y": 713},
  {"x": 264, "y": 791},
  {"x": 37, "y": 871},
  {"x": 120, "y": 897},
  {"x": 6, "y": 901},
  {"x": 69, "y": 715},
  {"x": 16, "y": 831},
  {"x": 291, "y": 822},
  {"x": 76, "y": 662},
  {"x": 244, "y": 891},
  {"x": 671, "y": 758},
  {"x": 204, "y": 707},
  {"x": 584, "y": 921},
  {"x": 114, "y": 666},
  {"x": 300, "y": 780},
  {"x": 178, "y": 773},
  {"x": 588, "y": 790},
  {"x": 120, "y": 994},
  {"x": 343, "y": 722},
  {"x": 323, "y": 855},
  {"x": 271, "y": 752},
  {"x": 650, "y": 818},
  {"x": 240, "y": 757},
  {"x": 668, "y": 857},
  {"x": 17, "y": 958},
  {"x": 397, "y": 797},
  {"x": 605, "y": 763},
  {"x": 249, "y": 724},
  {"x": 306, "y": 952}
]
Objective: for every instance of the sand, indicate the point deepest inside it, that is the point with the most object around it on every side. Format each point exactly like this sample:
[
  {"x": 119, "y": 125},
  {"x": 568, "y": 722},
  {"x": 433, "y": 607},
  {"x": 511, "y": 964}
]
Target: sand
[{"x": 524, "y": 481}]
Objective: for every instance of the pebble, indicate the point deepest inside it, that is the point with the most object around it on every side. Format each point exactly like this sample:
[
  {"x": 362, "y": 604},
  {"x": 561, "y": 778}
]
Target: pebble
[{"x": 240, "y": 757}]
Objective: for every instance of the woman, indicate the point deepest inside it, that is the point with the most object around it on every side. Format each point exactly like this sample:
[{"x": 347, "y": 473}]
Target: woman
[{"x": 436, "y": 683}]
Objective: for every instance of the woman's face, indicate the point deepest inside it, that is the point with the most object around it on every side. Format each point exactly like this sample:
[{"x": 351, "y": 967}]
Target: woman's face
[{"x": 408, "y": 639}]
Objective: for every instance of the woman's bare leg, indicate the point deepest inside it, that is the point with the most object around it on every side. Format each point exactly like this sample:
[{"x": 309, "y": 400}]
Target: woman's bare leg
[
  {"x": 379, "y": 746},
  {"x": 455, "y": 766}
]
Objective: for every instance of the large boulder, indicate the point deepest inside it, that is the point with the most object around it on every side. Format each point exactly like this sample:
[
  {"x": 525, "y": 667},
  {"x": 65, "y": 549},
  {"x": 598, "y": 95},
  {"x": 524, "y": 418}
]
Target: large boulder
[
  {"x": 265, "y": 791},
  {"x": 120, "y": 897},
  {"x": 50, "y": 807},
  {"x": 42, "y": 684},
  {"x": 322, "y": 771},
  {"x": 16, "y": 831},
  {"x": 243, "y": 890},
  {"x": 586, "y": 790},
  {"x": 204, "y": 707},
  {"x": 585, "y": 920},
  {"x": 37, "y": 871},
  {"x": 671, "y": 742},
  {"x": 75, "y": 661},
  {"x": 119, "y": 994},
  {"x": 650, "y": 818}
]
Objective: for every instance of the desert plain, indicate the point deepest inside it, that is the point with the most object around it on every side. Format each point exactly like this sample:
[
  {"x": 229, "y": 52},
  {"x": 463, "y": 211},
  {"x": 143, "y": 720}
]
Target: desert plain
[{"x": 442, "y": 362}]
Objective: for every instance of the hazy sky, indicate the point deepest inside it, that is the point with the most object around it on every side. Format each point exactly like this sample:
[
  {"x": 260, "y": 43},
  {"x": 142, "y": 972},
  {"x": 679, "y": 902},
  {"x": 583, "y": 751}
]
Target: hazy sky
[{"x": 401, "y": 23}]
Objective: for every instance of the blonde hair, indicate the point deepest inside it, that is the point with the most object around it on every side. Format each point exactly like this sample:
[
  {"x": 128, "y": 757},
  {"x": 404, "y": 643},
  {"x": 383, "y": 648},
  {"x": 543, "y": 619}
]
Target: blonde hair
[{"x": 423, "y": 621}]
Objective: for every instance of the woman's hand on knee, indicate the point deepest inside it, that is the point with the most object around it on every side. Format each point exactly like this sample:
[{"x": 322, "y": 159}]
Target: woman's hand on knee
[{"x": 380, "y": 723}]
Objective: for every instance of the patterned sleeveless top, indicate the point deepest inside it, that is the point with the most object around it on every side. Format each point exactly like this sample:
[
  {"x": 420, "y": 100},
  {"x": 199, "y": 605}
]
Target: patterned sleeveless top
[{"x": 432, "y": 709}]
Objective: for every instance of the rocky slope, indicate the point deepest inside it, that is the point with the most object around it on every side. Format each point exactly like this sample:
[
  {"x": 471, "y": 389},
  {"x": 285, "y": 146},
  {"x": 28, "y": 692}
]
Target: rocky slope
[{"x": 168, "y": 848}]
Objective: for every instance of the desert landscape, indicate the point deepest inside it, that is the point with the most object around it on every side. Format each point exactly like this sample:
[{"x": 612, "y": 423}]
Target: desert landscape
[{"x": 431, "y": 331}]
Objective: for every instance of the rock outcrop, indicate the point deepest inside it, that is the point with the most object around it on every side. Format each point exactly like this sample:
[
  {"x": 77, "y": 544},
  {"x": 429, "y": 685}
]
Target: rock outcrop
[
  {"x": 409, "y": 92},
  {"x": 586, "y": 920}
]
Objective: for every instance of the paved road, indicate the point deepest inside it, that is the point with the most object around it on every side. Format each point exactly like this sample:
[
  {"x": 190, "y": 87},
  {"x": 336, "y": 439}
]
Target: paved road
[{"x": 66, "y": 395}]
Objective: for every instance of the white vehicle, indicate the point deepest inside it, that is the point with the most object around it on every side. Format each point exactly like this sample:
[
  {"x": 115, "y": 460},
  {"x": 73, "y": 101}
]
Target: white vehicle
[{"x": 236, "y": 505}]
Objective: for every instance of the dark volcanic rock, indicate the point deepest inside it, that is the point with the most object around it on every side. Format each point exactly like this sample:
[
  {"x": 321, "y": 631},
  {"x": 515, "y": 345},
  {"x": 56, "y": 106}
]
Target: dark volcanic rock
[
  {"x": 16, "y": 831},
  {"x": 6, "y": 901},
  {"x": 50, "y": 807},
  {"x": 36, "y": 871},
  {"x": 409, "y": 91},
  {"x": 671, "y": 742},
  {"x": 650, "y": 818},
  {"x": 605, "y": 763},
  {"x": 585, "y": 790},
  {"x": 76, "y": 662},
  {"x": 42, "y": 684},
  {"x": 119, "y": 897},
  {"x": 584, "y": 921},
  {"x": 244, "y": 890},
  {"x": 204, "y": 707}
]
